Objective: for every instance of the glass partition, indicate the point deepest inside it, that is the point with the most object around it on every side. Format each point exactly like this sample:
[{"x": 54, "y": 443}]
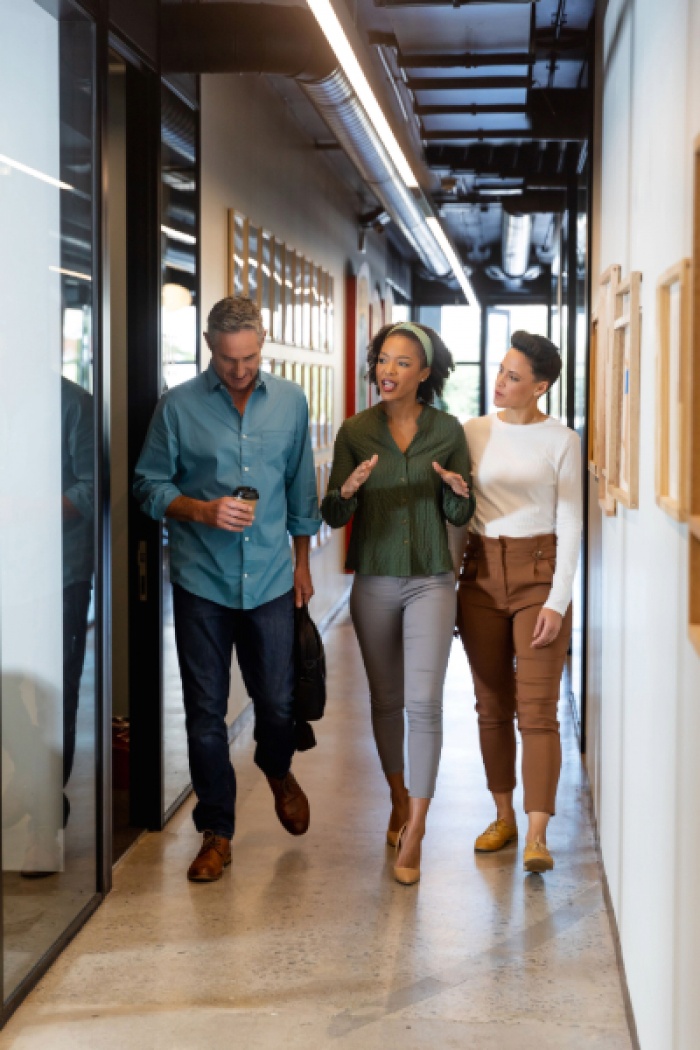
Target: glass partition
[
  {"x": 179, "y": 362},
  {"x": 47, "y": 478}
]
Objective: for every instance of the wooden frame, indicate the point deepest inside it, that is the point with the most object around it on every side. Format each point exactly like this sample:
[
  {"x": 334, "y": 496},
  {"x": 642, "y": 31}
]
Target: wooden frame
[
  {"x": 694, "y": 442},
  {"x": 607, "y": 301},
  {"x": 622, "y": 459},
  {"x": 672, "y": 389},
  {"x": 294, "y": 295},
  {"x": 593, "y": 465}
]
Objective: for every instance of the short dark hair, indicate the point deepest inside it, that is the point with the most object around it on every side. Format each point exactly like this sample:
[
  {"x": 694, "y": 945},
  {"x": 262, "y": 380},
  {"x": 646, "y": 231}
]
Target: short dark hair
[
  {"x": 439, "y": 370},
  {"x": 543, "y": 355}
]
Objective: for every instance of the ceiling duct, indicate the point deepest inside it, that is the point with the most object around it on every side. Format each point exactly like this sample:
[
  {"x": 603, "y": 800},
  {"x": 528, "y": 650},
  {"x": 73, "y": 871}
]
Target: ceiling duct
[
  {"x": 286, "y": 41},
  {"x": 337, "y": 103},
  {"x": 517, "y": 237}
]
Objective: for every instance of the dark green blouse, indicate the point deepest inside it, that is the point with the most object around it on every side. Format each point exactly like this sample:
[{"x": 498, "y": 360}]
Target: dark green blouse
[{"x": 400, "y": 511}]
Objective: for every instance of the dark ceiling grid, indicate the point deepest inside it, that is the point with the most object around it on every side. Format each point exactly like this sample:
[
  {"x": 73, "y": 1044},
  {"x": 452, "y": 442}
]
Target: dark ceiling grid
[{"x": 499, "y": 92}]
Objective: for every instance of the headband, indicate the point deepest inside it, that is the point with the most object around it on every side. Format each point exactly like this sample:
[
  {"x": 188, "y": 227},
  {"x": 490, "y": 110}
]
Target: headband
[{"x": 422, "y": 337}]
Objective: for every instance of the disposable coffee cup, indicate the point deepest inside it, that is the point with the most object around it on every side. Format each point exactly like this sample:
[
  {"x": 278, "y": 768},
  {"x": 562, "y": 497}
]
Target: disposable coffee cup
[{"x": 248, "y": 494}]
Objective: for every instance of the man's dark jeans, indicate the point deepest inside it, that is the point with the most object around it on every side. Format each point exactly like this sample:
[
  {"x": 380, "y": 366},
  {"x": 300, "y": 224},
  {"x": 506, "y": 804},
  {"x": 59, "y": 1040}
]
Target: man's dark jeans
[{"x": 206, "y": 634}]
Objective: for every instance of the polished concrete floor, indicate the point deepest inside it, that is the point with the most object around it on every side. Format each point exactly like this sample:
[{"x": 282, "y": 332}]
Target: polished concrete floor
[{"x": 311, "y": 944}]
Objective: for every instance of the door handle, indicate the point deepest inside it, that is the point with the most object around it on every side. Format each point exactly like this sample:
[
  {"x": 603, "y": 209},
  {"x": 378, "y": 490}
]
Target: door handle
[{"x": 142, "y": 559}]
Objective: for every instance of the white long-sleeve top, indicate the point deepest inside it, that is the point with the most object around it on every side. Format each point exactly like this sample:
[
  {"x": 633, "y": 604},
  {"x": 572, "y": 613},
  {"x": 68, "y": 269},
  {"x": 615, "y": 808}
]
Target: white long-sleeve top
[{"x": 527, "y": 482}]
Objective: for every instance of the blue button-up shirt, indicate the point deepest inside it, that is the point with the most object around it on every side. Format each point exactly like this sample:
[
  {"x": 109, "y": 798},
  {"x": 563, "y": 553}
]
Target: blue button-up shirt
[{"x": 199, "y": 445}]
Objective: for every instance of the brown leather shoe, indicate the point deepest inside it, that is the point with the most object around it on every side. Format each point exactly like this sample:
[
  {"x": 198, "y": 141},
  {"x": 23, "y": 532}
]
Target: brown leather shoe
[
  {"x": 291, "y": 804},
  {"x": 213, "y": 857}
]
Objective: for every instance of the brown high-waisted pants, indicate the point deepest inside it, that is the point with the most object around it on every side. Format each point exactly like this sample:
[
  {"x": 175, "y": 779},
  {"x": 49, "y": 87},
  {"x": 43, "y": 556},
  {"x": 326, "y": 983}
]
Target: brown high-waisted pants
[{"x": 503, "y": 584}]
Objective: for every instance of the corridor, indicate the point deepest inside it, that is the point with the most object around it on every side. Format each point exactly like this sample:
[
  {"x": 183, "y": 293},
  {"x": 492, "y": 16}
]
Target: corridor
[{"x": 311, "y": 944}]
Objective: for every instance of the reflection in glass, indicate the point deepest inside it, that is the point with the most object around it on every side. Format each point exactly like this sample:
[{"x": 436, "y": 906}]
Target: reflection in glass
[
  {"x": 179, "y": 363},
  {"x": 47, "y": 457}
]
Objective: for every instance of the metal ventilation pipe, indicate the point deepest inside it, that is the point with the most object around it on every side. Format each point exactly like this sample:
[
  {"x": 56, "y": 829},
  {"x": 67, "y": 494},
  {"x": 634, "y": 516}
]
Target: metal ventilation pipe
[
  {"x": 286, "y": 41},
  {"x": 516, "y": 239},
  {"x": 337, "y": 103}
]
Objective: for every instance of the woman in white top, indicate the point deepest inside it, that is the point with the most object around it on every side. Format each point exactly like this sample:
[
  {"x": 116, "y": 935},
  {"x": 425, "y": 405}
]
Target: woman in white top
[{"x": 514, "y": 612}]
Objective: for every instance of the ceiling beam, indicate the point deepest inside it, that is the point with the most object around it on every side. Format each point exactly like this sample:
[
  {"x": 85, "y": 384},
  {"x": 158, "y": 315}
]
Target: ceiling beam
[
  {"x": 574, "y": 46},
  {"x": 474, "y": 109},
  {"x": 560, "y": 134},
  {"x": 562, "y": 116},
  {"x": 443, "y": 3},
  {"x": 469, "y": 83},
  {"x": 538, "y": 164},
  {"x": 530, "y": 202}
]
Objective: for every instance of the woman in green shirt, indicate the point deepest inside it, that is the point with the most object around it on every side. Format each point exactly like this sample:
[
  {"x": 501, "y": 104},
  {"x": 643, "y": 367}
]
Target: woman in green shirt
[{"x": 400, "y": 471}]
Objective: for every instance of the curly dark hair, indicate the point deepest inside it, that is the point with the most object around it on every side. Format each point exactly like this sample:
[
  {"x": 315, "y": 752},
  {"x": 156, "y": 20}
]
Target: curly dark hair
[{"x": 439, "y": 370}]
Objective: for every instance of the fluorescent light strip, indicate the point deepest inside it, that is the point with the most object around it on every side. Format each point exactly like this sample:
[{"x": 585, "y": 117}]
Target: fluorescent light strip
[
  {"x": 26, "y": 170},
  {"x": 451, "y": 255},
  {"x": 70, "y": 273},
  {"x": 335, "y": 34},
  {"x": 186, "y": 238}
]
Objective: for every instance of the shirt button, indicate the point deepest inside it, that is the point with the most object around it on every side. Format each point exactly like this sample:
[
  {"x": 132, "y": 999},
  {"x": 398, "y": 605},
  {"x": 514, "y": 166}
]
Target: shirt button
[
  {"x": 247, "y": 538},
  {"x": 246, "y": 468},
  {"x": 245, "y": 575},
  {"x": 405, "y": 541},
  {"x": 245, "y": 436}
]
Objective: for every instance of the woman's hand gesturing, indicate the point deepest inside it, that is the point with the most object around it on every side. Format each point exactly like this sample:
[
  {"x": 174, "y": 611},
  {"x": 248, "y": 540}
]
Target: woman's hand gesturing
[
  {"x": 455, "y": 481},
  {"x": 358, "y": 477}
]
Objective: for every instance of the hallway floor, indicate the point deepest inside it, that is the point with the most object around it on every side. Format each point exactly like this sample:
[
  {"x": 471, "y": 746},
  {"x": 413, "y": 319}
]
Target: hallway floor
[{"x": 311, "y": 944}]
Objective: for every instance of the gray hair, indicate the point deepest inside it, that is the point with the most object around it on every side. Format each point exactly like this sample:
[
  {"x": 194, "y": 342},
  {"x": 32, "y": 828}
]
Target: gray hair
[{"x": 235, "y": 313}]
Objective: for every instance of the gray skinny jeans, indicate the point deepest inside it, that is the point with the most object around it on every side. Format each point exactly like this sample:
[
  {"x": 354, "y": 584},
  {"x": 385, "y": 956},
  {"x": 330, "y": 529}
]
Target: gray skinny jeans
[{"x": 404, "y": 626}]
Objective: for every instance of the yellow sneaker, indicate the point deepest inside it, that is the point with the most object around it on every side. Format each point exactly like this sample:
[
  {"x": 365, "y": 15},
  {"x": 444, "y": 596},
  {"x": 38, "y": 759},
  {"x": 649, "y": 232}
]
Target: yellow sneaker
[
  {"x": 496, "y": 836},
  {"x": 536, "y": 857}
]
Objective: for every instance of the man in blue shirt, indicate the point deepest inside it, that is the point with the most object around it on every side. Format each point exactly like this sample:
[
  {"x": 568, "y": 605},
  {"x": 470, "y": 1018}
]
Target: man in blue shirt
[{"x": 234, "y": 583}]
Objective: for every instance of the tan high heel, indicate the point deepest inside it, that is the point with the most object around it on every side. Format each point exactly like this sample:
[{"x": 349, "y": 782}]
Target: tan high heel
[
  {"x": 392, "y": 838},
  {"x": 406, "y": 876}
]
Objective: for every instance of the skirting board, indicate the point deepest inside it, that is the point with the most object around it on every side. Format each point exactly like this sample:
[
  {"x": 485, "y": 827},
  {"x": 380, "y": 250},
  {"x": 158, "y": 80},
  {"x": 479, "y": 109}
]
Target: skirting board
[{"x": 629, "y": 1010}]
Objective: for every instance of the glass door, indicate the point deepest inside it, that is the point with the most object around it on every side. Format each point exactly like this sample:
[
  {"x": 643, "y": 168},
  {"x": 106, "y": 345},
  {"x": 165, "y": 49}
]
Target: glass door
[
  {"x": 50, "y": 583},
  {"x": 179, "y": 362}
]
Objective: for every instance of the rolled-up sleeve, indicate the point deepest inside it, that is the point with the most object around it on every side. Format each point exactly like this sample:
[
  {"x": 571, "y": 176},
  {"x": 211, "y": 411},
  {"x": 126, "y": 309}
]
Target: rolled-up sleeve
[
  {"x": 337, "y": 511},
  {"x": 458, "y": 509},
  {"x": 303, "y": 518},
  {"x": 157, "y": 466}
]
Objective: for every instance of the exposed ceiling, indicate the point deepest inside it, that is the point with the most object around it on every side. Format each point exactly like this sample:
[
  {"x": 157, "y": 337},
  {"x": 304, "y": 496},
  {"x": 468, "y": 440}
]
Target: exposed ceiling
[{"x": 496, "y": 101}]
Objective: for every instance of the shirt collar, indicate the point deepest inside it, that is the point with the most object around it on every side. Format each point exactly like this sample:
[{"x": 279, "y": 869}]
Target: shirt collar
[{"x": 214, "y": 383}]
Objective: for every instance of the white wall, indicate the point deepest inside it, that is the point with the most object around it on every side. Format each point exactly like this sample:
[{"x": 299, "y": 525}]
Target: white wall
[
  {"x": 256, "y": 158},
  {"x": 644, "y": 696}
]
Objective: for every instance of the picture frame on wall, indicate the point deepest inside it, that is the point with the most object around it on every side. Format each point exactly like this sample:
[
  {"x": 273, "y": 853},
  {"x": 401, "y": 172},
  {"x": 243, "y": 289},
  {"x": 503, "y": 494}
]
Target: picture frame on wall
[
  {"x": 313, "y": 398},
  {"x": 607, "y": 303},
  {"x": 289, "y": 280},
  {"x": 694, "y": 412},
  {"x": 277, "y": 328},
  {"x": 593, "y": 465},
  {"x": 622, "y": 459},
  {"x": 267, "y": 245},
  {"x": 672, "y": 390},
  {"x": 237, "y": 253}
]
